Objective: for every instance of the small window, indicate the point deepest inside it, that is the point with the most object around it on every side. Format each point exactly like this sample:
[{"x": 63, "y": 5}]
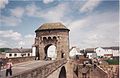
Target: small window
[
  {"x": 44, "y": 38},
  {"x": 23, "y": 54},
  {"x": 10, "y": 54},
  {"x": 28, "y": 54},
  {"x": 15, "y": 54}
]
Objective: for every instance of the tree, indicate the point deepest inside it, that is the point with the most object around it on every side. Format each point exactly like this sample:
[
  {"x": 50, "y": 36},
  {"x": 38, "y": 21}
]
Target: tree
[{"x": 4, "y": 49}]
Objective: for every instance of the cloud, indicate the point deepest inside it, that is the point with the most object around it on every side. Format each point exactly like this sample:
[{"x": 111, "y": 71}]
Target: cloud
[
  {"x": 10, "y": 34},
  {"x": 17, "y": 12},
  {"x": 27, "y": 41},
  {"x": 56, "y": 13},
  {"x": 78, "y": 24},
  {"x": 2, "y": 43},
  {"x": 21, "y": 43},
  {"x": 16, "y": 15},
  {"x": 95, "y": 30},
  {"x": 47, "y": 1},
  {"x": 3, "y": 3},
  {"x": 10, "y": 20},
  {"x": 89, "y": 5},
  {"x": 50, "y": 15},
  {"x": 53, "y": 14},
  {"x": 12, "y": 39},
  {"x": 29, "y": 36},
  {"x": 103, "y": 35},
  {"x": 31, "y": 9}
]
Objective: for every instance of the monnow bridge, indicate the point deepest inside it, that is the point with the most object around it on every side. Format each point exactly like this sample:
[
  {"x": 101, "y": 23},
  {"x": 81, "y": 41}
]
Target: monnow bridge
[{"x": 61, "y": 67}]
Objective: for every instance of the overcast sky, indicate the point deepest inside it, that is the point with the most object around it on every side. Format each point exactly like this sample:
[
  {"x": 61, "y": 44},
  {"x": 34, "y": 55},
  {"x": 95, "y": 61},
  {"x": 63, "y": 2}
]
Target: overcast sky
[{"x": 92, "y": 23}]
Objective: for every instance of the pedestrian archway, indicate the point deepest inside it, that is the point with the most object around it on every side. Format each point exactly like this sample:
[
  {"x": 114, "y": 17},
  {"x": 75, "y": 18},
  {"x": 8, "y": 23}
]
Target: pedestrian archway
[
  {"x": 62, "y": 73},
  {"x": 50, "y": 52}
]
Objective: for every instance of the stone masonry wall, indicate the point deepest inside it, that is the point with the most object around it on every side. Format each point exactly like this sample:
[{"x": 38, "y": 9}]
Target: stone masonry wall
[
  {"x": 19, "y": 59},
  {"x": 61, "y": 42},
  {"x": 42, "y": 71}
]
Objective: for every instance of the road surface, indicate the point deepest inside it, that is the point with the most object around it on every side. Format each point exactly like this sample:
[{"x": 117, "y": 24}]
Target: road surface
[{"x": 20, "y": 67}]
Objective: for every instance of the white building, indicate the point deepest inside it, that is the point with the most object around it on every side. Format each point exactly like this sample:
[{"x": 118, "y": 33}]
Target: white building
[
  {"x": 91, "y": 53},
  {"x": 16, "y": 52},
  {"x": 33, "y": 51},
  {"x": 107, "y": 51},
  {"x": 115, "y": 51},
  {"x": 74, "y": 51},
  {"x": 100, "y": 51}
]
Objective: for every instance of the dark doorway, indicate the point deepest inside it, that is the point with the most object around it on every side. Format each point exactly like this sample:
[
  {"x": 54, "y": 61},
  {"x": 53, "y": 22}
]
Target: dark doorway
[
  {"x": 62, "y": 73},
  {"x": 62, "y": 55},
  {"x": 37, "y": 54}
]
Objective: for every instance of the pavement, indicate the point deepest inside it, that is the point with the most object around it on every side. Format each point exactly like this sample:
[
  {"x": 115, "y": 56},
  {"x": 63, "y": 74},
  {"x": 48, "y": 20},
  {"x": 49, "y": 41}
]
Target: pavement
[{"x": 24, "y": 66}]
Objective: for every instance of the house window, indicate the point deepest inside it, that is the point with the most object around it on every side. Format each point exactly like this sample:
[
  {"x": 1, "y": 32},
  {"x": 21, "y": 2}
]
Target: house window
[
  {"x": 23, "y": 54},
  {"x": 10, "y": 54},
  {"x": 15, "y": 54},
  {"x": 28, "y": 54}
]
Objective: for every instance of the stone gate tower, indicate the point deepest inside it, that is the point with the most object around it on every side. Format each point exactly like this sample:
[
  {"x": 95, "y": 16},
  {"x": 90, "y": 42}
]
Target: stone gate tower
[{"x": 52, "y": 34}]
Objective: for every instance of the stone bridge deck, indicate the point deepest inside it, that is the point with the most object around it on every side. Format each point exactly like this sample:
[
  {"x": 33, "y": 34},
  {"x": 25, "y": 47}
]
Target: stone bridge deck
[
  {"x": 34, "y": 69},
  {"x": 22, "y": 67}
]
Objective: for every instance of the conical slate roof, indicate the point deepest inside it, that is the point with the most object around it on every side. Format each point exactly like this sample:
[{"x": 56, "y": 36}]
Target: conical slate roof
[{"x": 50, "y": 26}]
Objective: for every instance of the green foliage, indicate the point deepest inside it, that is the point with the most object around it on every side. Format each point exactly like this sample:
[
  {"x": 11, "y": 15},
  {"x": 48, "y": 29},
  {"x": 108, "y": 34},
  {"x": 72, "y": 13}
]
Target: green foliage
[
  {"x": 4, "y": 49},
  {"x": 113, "y": 61}
]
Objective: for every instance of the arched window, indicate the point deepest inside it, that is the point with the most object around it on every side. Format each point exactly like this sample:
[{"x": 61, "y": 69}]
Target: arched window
[
  {"x": 49, "y": 38},
  {"x": 28, "y": 54},
  {"x": 15, "y": 54},
  {"x": 10, "y": 55},
  {"x": 54, "y": 38},
  {"x": 44, "y": 38},
  {"x": 62, "y": 55}
]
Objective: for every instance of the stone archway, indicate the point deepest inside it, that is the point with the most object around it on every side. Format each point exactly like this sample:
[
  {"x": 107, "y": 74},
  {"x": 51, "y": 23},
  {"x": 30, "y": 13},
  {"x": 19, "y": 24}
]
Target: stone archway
[
  {"x": 62, "y": 73},
  {"x": 52, "y": 33},
  {"x": 50, "y": 54}
]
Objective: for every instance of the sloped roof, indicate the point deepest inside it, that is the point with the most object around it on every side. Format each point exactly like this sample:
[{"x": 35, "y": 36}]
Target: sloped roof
[
  {"x": 19, "y": 50},
  {"x": 113, "y": 48},
  {"x": 90, "y": 50},
  {"x": 49, "y": 26}
]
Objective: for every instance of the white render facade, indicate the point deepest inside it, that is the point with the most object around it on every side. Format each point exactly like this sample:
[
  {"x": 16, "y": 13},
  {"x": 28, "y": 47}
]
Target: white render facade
[
  {"x": 102, "y": 52},
  {"x": 115, "y": 52},
  {"x": 74, "y": 52},
  {"x": 91, "y": 55},
  {"x": 18, "y": 52},
  {"x": 33, "y": 51},
  {"x": 14, "y": 55}
]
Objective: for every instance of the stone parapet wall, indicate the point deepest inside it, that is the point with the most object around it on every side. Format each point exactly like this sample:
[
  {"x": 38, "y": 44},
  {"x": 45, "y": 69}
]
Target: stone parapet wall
[
  {"x": 103, "y": 73},
  {"x": 42, "y": 71},
  {"x": 19, "y": 59},
  {"x": 112, "y": 70},
  {"x": 91, "y": 71}
]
